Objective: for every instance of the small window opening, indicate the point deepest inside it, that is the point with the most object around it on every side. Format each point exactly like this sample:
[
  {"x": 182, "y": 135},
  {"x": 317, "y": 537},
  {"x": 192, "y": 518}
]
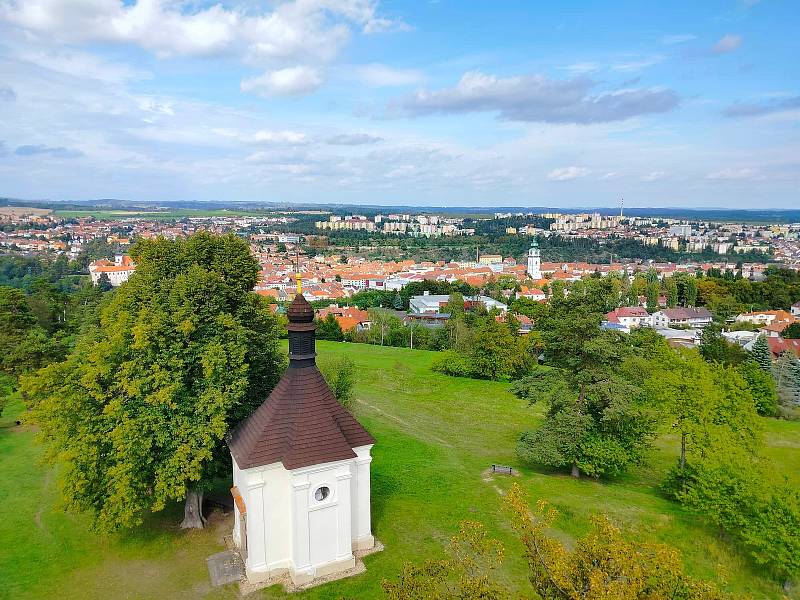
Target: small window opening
[{"x": 321, "y": 493}]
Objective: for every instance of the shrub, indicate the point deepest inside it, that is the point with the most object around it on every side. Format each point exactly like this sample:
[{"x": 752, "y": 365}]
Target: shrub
[
  {"x": 454, "y": 364},
  {"x": 339, "y": 373}
]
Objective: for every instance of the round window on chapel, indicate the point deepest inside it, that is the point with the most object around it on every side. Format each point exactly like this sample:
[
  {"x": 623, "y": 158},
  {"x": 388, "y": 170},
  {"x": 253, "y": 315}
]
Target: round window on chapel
[{"x": 321, "y": 493}]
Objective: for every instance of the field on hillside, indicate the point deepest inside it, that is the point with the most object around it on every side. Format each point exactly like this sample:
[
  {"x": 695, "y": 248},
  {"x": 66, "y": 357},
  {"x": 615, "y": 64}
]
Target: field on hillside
[
  {"x": 16, "y": 211},
  {"x": 178, "y": 213},
  {"x": 435, "y": 436}
]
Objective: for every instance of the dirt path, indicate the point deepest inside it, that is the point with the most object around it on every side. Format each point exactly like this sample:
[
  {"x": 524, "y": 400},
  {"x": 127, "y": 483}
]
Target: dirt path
[
  {"x": 37, "y": 518},
  {"x": 409, "y": 427}
]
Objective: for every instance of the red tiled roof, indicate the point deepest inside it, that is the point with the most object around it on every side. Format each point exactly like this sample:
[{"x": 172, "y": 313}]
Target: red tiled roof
[
  {"x": 270, "y": 293},
  {"x": 631, "y": 311},
  {"x": 779, "y": 345},
  {"x": 778, "y": 326}
]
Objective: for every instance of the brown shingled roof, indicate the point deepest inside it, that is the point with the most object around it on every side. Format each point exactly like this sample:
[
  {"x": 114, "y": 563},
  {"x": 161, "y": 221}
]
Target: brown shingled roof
[{"x": 301, "y": 423}]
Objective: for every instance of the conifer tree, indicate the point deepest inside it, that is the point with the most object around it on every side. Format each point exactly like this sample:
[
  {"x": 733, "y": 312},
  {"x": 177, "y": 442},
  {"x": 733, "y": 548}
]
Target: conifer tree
[
  {"x": 691, "y": 291},
  {"x": 652, "y": 297},
  {"x": 786, "y": 371},
  {"x": 672, "y": 292},
  {"x": 397, "y": 302},
  {"x": 760, "y": 353}
]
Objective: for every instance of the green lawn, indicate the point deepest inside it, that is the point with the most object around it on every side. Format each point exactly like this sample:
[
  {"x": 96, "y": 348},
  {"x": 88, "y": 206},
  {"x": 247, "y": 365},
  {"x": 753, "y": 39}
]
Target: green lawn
[{"x": 435, "y": 435}]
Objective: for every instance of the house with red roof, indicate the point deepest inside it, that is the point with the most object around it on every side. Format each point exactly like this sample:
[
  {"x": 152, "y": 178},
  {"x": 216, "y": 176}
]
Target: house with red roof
[
  {"x": 532, "y": 294},
  {"x": 348, "y": 317}
]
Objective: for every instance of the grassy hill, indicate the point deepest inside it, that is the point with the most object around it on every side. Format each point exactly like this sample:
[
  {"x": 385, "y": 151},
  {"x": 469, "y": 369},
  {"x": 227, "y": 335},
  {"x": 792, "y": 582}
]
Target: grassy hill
[{"x": 435, "y": 437}]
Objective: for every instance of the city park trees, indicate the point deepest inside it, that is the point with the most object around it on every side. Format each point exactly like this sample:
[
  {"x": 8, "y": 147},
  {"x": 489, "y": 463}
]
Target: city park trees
[{"x": 137, "y": 412}]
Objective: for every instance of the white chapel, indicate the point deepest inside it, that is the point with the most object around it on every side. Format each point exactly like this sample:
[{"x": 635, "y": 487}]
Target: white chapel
[{"x": 301, "y": 473}]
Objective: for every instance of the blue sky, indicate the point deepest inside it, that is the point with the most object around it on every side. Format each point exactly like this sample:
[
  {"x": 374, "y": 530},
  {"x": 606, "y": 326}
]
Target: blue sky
[{"x": 446, "y": 102}]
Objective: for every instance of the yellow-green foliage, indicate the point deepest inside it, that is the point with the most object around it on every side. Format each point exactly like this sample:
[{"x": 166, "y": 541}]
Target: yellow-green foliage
[{"x": 138, "y": 411}]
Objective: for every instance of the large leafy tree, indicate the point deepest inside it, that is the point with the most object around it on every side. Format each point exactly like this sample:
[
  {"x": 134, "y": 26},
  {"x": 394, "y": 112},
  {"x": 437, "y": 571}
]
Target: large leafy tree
[
  {"x": 715, "y": 348},
  {"x": 762, "y": 387},
  {"x": 705, "y": 403},
  {"x": 329, "y": 329},
  {"x": 24, "y": 344},
  {"x": 597, "y": 421},
  {"x": 137, "y": 413},
  {"x": 671, "y": 287},
  {"x": 756, "y": 508}
]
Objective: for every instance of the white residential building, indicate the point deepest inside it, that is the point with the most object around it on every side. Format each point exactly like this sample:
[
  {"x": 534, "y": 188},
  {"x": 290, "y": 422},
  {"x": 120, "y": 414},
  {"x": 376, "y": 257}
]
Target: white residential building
[
  {"x": 433, "y": 303},
  {"x": 696, "y": 318}
]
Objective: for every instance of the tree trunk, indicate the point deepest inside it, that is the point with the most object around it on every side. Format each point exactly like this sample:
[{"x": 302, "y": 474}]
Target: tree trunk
[
  {"x": 683, "y": 450},
  {"x": 575, "y": 472},
  {"x": 193, "y": 510}
]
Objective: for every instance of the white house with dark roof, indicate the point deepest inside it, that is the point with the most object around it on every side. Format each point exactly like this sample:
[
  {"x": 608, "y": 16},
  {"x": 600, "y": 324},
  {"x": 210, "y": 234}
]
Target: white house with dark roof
[{"x": 696, "y": 318}]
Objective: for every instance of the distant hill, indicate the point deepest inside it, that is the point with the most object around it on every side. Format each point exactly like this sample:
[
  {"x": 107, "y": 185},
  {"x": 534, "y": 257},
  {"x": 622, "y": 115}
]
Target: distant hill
[{"x": 704, "y": 214}]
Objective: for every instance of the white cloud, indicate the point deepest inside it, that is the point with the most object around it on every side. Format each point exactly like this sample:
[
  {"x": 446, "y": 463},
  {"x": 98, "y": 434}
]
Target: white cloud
[
  {"x": 631, "y": 66},
  {"x": 727, "y": 43},
  {"x": 786, "y": 103},
  {"x": 734, "y": 174},
  {"x": 678, "y": 38},
  {"x": 568, "y": 173},
  {"x": 289, "y": 138},
  {"x": 653, "y": 176},
  {"x": 537, "y": 98},
  {"x": 379, "y": 75},
  {"x": 292, "y": 34},
  {"x": 380, "y": 25},
  {"x": 353, "y": 139},
  {"x": 291, "y": 81},
  {"x": 81, "y": 65},
  {"x": 610, "y": 175},
  {"x": 154, "y": 105},
  {"x": 159, "y": 26},
  {"x": 582, "y": 68},
  {"x": 56, "y": 152}
]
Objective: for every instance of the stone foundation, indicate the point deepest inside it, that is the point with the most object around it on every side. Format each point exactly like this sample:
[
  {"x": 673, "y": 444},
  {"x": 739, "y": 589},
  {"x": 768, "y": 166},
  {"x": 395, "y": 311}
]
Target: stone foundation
[{"x": 295, "y": 582}]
